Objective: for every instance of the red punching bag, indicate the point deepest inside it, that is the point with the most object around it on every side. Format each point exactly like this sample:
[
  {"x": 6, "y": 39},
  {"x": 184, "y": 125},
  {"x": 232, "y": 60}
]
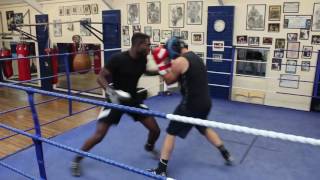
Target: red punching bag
[
  {"x": 97, "y": 61},
  {"x": 54, "y": 61},
  {"x": 7, "y": 65},
  {"x": 23, "y": 63}
]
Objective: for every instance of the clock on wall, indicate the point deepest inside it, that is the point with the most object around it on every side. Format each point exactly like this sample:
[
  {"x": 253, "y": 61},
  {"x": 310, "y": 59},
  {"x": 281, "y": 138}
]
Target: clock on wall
[{"x": 219, "y": 25}]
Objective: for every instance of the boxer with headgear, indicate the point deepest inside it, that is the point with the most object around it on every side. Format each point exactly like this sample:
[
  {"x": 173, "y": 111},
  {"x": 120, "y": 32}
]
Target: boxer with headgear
[
  {"x": 123, "y": 70},
  {"x": 189, "y": 70}
]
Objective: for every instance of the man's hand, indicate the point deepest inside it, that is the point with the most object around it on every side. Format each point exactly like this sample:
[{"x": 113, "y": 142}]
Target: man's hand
[
  {"x": 160, "y": 56},
  {"x": 117, "y": 96}
]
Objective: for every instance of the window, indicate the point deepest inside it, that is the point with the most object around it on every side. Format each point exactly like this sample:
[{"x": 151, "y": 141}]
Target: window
[{"x": 251, "y": 62}]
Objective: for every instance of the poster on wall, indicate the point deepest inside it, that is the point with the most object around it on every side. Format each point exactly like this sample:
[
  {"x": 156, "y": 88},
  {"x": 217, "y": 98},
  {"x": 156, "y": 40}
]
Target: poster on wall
[
  {"x": 307, "y": 52},
  {"x": 57, "y": 28},
  {"x": 296, "y": 22},
  {"x": 293, "y": 50},
  {"x": 10, "y": 19},
  {"x": 184, "y": 35},
  {"x": 156, "y": 35},
  {"x": 291, "y": 7},
  {"x": 256, "y": 17},
  {"x": 291, "y": 66},
  {"x": 274, "y": 13},
  {"x": 316, "y": 17},
  {"x": 194, "y": 12},
  {"x": 154, "y": 12},
  {"x": 133, "y": 14},
  {"x": 176, "y": 15},
  {"x": 84, "y": 31},
  {"x": 126, "y": 35},
  {"x": 289, "y": 81}
]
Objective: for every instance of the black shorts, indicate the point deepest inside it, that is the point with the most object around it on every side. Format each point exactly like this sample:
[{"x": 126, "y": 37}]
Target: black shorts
[
  {"x": 115, "y": 115},
  {"x": 181, "y": 129}
]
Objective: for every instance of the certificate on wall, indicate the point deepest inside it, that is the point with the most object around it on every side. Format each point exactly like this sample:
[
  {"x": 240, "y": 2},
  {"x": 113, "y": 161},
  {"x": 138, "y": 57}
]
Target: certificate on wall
[
  {"x": 291, "y": 7},
  {"x": 293, "y": 50},
  {"x": 296, "y": 21},
  {"x": 289, "y": 81}
]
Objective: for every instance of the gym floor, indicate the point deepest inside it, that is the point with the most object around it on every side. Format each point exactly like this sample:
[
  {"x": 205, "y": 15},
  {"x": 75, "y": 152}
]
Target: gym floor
[{"x": 193, "y": 158}]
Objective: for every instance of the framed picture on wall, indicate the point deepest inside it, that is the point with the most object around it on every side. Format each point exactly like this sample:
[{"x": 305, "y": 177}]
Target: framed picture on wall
[
  {"x": 273, "y": 27},
  {"x": 136, "y": 28},
  {"x": 194, "y": 12},
  {"x": 197, "y": 38},
  {"x": 217, "y": 57},
  {"x": 304, "y": 34},
  {"x": 166, "y": 34},
  {"x": 253, "y": 41},
  {"x": 242, "y": 39},
  {"x": 74, "y": 10},
  {"x": 315, "y": 39},
  {"x": 289, "y": 81},
  {"x": 218, "y": 46},
  {"x": 292, "y": 37},
  {"x": 293, "y": 50},
  {"x": 291, "y": 66},
  {"x": 176, "y": 15},
  {"x": 276, "y": 64},
  {"x": 61, "y": 11},
  {"x": 148, "y": 30},
  {"x": 256, "y": 17},
  {"x": 94, "y": 9},
  {"x": 280, "y": 43},
  {"x": 316, "y": 17},
  {"x": 126, "y": 35},
  {"x": 57, "y": 28},
  {"x": 86, "y": 9},
  {"x": 278, "y": 53},
  {"x": 291, "y": 7},
  {"x": 176, "y": 32},
  {"x": 267, "y": 40},
  {"x": 297, "y": 22},
  {"x": 133, "y": 14},
  {"x": 184, "y": 35},
  {"x": 156, "y": 35},
  {"x": 274, "y": 13},
  {"x": 67, "y": 10},
  {"x": 305, "y": 66},
  {"x": 154, "y": 12},
  {"x": 18, "y": 18},
  {"x": 307, "y": 52}
]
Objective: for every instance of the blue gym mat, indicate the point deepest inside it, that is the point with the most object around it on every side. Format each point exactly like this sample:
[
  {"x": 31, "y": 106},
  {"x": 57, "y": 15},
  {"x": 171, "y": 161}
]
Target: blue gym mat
[{"x": 193, "y": 158}]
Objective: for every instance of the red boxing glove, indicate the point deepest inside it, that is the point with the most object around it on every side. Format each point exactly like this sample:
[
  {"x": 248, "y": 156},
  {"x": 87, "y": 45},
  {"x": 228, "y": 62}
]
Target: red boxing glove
[{"x": 160, "y": 56}]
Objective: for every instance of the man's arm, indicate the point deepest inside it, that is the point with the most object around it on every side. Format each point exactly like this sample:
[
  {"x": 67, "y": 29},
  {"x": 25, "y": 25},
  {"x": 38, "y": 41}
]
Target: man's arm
[
  {"x": 102, "y": 78},
  {"x": 178, "y": 67}
]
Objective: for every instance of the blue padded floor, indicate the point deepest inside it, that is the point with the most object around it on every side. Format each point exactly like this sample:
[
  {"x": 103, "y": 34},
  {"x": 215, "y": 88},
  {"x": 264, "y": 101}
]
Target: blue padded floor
[{"x": 193, "y": 158}]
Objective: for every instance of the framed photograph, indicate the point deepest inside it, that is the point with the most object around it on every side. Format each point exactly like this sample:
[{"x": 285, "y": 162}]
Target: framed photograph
[
  {"x": 315, "y": 39},
  {"x": 156, "y": 35},
  {"x": 274, "y": 13},
  {"x": 267, "y": 40},
  {"x": 304, "y": 34},
  {"x": 136, "y": 28},
  {"x": 133, "y": 14},
  {"x": 80, "y": 10},
  {"x": 280, "y": 43},
  {"x": 74, "y": 10},
  {"x": 184, "y": 35},
  {"x": 84, "y": 31},
  {"x": 87, "y": 9},
  {"x": 305, "y": 66},
  {"x": 273, "y": 27},
  {"x": 176, "y": 15},
  {"x": 217, "y": 57},
  {"x": 154, "y": 12},
  {"x": 61, "y": 11},
  {"x": 289, "y": 81},
  {"x": 18, "y": 18},
  {"x": 70, "y": 26},
  {"x": 296, "y": 21},
  {"x": 293, "y": 50},
  {"x": 194, "y": 12},
  {"x": 217, "y": 45},
  {"x": 125, "y": 35},
  {"x": 57, "y": 28},
  {"x": 148, "y": 30},
  {"x": 307, "y": 52},
  {"x": 242, "y": 39},
  {"x": 278, "y": 53},
  {"x": 291, "y": 7},
  {"x": 166, "y": 34},
  {"x": 67, "y": 10},
  {"x": 10, "y": 19},
  {"x": 197, "y": 38},
  {"x": 276, "y": 64},
  {"x": 256, "y": 17},
  {"x": 316, "y": 17},
  {"x": 291, "y": 66},
  {"x": 253, "y": 41},
  {"x": 176, "y": 32},
  {"x": 94, "y": 9},
  {"x": 292, "y": 37}
]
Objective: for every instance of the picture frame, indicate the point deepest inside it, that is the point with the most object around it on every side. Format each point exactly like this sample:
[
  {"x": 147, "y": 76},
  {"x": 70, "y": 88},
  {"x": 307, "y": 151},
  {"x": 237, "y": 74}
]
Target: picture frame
[
  {"x": 293, "y": 50},
  {"x": 94, "y": 9},
  {"x": 176, "y": 15},
  {"x": 87, "y": 9},
  {"x": 267, "y": 40},
  {"x": 217, "y": 57},
  {"x": 275, "y": 13},
  {"x": 197, "y": 38},
  {"x": 218, "y": 46},
  {"x": 136, "y": 28},
  {"x": 278, "y": 54},
  {"x": 316, "y": 17},
  {"x": 297, "y": 21},
  {"x": 156, "y": 35},
  {"x": 291, "y": 7},
  {"x": 61, "y": 10},
  {"x": 276, "y": 64},
  {"x": 74, "y": 10},
  {"x": 125, "y": 35},
  {"x": 304, "y": 34},
  {"x": 18, "y": 18},
  {"x": 80, "y": 10},
  {"x": 176, "y": 32},
  {"x": 84, "y": 31},
  {"x": 133, "y": 14},
  {"x": 242, "y": 39},
  {"x": 67, "y": 10},
  {"x": 194, "y": 12},
  {"x": 289, "y": 81},
  {"x": 315, "y": 39},
  {"x": 291, "y": 66},
  {"x": 307, "y": 52},
  {"x": 256, "y": 17},
  {"x": 274, "y": 27},
  {"x": 57, "y": 28},
  {"x": 148, "y": 30},
  {"x": 292, "y": 37},
  {"x": 184, "y": 35},
  {"x": 280, "y": 43},
  {"x": 166, "y": 34},
  {"x": 253, "y": 41},
  {"x": 305, "y": 66},
  {"x": 154, "y": 12}
]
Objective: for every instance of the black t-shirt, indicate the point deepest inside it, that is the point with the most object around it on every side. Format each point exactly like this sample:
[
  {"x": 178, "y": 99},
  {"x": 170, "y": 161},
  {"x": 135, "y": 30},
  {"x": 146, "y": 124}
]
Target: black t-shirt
[
  {"x": 126, "y": 71},
  {"x": 194, "y": 85}
]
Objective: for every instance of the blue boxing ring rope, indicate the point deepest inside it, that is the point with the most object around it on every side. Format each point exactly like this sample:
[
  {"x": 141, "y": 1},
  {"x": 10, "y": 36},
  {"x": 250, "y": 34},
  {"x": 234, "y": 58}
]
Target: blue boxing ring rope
[{"x": 38, "y": 139}]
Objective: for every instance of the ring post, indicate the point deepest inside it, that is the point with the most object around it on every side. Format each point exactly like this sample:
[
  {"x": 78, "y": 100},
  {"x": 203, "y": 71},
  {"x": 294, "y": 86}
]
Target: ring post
[
  {"x": 66, "y": 65},
  {"x": 232, "y": 71},
  {"x": 37, "y": 143}
]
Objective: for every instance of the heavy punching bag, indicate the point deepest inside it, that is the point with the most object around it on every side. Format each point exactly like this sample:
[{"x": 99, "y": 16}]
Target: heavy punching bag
[
  {"x": 54, "y": 63},
  {"x": 97, "y": 61},
  {"x": 23, "y": 63},
  {"x": 81, "y": 60},
  {"x": 7, "y": 65}
]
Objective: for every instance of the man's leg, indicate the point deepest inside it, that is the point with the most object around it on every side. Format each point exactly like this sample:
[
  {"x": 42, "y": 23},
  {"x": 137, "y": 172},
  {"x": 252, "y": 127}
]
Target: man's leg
[{"x": 154, "y": 131}]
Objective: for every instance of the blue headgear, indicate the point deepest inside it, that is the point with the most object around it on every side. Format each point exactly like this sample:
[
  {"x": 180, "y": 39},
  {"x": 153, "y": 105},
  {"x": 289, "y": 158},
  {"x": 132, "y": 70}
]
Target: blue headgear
[{"x": 174, "y": 46}]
